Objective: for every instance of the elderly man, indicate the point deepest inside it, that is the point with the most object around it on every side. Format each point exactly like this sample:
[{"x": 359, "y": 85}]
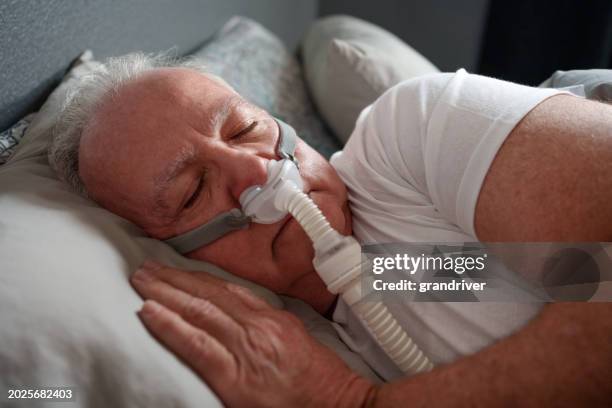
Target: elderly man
[{"x": 171, "y": 147}]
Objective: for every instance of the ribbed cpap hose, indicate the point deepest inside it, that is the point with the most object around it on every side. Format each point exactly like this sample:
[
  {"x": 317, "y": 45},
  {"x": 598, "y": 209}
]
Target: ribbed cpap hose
[
  {"x": 338, "y": 262},
  {"x": 392, "y": 338}
]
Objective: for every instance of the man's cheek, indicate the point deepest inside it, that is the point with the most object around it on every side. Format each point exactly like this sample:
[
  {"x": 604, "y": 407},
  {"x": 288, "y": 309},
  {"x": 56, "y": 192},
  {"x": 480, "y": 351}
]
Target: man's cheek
[
  {"x": 294, "y": 254},
  {"x": 216, "y": 253},
  {"x": 239, "y": 263},
  {"x": 331, "y": 208}
]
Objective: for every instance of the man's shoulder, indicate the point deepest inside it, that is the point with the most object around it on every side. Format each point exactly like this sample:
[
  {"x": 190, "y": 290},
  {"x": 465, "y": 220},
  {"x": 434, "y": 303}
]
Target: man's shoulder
[{"x": 422, "y": 85}]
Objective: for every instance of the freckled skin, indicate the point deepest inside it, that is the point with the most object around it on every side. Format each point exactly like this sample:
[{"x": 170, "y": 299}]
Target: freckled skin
[{"x": 136, "y": 134}]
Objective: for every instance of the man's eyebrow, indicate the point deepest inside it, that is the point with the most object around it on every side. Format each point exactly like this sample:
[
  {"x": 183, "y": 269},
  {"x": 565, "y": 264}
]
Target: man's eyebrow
[
  {"x": 165, "y": 179},
  {"x": 224, "y": 111}
]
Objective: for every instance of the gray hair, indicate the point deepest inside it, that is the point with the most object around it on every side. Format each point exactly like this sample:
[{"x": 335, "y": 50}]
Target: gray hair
[{"x": 86, "y": 95}]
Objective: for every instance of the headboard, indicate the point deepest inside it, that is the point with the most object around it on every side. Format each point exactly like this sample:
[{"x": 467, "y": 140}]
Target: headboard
[{"x": 41, "y": 38}]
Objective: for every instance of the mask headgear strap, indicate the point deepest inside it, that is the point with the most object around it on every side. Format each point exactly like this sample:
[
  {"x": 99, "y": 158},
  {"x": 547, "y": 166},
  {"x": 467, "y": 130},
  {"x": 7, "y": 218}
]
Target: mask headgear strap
[
  {"x": 223, "y": 223},
  {"x": 233, "y": 219},
  {"x": 287, "y": 142}
]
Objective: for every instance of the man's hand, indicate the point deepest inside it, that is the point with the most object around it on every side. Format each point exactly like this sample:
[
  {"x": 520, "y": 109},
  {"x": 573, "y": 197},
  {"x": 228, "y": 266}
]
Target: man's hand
[{"x": 249, "y": 353}]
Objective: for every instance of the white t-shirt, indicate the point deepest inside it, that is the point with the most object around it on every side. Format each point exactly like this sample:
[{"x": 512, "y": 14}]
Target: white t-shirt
[{"x": 414, "y": 166}]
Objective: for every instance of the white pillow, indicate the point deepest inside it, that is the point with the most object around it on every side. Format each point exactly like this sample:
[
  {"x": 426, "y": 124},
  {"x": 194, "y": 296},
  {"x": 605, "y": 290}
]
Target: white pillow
[
  {"x": 350, "y": 62},
  {"x": 66, "y": 307}
]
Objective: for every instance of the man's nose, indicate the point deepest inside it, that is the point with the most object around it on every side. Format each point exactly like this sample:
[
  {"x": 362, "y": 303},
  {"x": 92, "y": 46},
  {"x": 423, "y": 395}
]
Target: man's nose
[{"x": 246, "y": 171}]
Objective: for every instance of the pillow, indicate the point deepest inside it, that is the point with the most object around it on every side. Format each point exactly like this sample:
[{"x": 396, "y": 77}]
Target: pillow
[
  {"x": 259, "y": 67},
  {"x": 594, "y": 83},
  {"x": 350, "y": 62},
  {"x": 64, "y": 291},
  {"x": 66, "y": 299}
]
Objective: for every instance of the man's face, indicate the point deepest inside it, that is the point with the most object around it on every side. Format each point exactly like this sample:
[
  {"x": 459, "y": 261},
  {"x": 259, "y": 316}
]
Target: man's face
[{"x": 174, "y": 148}]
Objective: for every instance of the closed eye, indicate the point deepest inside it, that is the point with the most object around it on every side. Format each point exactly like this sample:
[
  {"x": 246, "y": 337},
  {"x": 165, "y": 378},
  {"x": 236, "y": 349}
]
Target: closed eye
[
  {"x": 195, "y": 195},
  {"x": 244, "y": 131}
]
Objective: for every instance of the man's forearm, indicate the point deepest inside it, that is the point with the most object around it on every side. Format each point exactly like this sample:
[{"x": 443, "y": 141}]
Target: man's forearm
[{"x": 562, "y": 358}]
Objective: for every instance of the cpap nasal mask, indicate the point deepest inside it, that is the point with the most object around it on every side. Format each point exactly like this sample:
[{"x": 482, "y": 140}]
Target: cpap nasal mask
[
  {"x": 235, "y": 219},
  {"x": 337, "y": 257}
]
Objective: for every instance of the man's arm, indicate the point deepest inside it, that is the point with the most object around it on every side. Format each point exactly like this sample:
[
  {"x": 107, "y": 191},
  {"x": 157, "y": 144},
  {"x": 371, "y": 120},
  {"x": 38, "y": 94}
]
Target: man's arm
[
  {"x": 552, "y": 178},
  {"x": 550, "y": 181},
  {"x": 249, "y": 354},
  {"x": 563, "y": 358},
  {"x": 253, "y": 355}
]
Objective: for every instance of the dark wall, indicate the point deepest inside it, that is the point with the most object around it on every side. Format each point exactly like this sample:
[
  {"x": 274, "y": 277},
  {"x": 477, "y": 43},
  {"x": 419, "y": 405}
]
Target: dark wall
[
  {"x": 447, "y": 32},
  {"x": 40, "y": 38},
  {"x": 520, "y": 40},
  {"x": 525, "y": 40}
]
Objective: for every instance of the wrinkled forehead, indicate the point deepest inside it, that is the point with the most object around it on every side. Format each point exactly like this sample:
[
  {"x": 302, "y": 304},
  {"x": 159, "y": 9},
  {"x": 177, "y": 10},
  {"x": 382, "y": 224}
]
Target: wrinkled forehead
[{"x": 174, "y": 94}]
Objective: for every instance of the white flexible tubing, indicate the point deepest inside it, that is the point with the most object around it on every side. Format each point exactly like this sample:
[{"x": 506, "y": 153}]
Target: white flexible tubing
[{"x": 331, "y": 252}]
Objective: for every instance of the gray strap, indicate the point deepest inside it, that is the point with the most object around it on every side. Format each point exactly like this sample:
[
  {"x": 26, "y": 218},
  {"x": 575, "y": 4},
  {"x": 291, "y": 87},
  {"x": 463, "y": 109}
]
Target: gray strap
[
  {"x": 286, "y": 144},
  {"x": 212, "y": 230}
]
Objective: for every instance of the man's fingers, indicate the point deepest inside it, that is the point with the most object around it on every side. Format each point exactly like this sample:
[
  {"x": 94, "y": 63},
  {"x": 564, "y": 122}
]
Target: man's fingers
[
  {"x": 199, "y": 312},
  {"x": 245, "y": 295},
  {"x": 206, "y": 286},
  {"x": 201, "y": 351}
]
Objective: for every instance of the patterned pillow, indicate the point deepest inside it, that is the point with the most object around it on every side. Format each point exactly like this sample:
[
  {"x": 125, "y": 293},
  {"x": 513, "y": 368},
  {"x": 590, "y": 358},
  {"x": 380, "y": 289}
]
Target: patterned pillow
[
  {"x": 12, "y": 136},
  {"x": 257, "y": 64}
]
